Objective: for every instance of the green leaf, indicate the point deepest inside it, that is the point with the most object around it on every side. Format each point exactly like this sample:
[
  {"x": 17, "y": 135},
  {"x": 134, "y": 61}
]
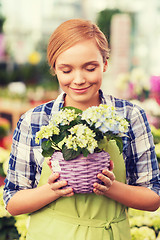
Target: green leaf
[
  {"x": 85, "y": 152},
  {"x": 110, "y": 135},
  {"x": 70, "y": 154},
  {"x": 102, "y": 144},
  {"x": 58, "y": 138},
  {"x": 119, "y": 143},
  {"x": 48, "y": 153},
  {"x": 46, "y": 145},
  {"x": 99, "y": 135}
]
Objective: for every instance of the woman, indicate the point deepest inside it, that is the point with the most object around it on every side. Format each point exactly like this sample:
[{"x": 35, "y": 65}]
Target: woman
[{"x": 78, "y": 53}]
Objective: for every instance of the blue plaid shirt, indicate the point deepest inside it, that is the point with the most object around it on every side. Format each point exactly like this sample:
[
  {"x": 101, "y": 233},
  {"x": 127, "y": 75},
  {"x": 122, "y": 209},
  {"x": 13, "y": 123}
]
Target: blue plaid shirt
[{"x": 25, "y": 164}]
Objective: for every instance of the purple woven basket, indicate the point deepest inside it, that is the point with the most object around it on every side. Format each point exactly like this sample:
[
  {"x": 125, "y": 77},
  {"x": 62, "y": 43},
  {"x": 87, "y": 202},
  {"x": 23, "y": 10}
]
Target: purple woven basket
[{"x": 80, "y": 173}]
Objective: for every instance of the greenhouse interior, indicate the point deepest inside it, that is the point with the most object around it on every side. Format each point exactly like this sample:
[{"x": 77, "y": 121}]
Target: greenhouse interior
[{"x": 132, "y": 29}]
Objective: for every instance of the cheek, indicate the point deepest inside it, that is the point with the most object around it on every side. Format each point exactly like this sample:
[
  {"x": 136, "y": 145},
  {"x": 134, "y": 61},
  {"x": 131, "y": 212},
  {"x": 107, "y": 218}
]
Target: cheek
[
  {"x": 95, "y": 78},
  {"x": 63, "y": 80}
]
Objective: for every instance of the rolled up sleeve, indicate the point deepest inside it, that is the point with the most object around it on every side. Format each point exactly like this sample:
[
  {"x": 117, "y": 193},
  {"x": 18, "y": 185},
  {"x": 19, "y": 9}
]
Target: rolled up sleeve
[
  {"x": 25, "y": 160},
  {"x": 143, "y": 169}
]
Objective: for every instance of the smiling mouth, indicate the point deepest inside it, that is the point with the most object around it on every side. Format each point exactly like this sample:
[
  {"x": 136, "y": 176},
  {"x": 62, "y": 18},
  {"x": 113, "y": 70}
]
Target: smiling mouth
[{"x": 80, "y": 90}]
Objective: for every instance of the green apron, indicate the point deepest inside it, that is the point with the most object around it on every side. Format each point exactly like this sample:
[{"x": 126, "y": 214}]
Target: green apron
[{"x": 82, "y": 216}]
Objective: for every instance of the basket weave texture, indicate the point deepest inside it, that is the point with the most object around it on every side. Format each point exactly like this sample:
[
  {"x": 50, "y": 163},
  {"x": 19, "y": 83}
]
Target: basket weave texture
[{"x": 80, "y": 173}]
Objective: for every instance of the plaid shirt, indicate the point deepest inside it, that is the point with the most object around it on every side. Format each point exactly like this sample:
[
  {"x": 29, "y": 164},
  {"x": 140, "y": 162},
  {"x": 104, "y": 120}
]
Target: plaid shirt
[{"x": 25, "y": 164}]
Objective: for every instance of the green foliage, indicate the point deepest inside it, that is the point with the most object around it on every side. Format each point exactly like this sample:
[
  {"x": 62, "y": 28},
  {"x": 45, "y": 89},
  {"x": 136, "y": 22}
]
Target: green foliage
[
  {"x": 156, "y": 134},
  {"x": 104, "y": 21},
  {"x": 104, "y": 18},
  {"x": 47, "y": 148},
  {"x": 70, "y": 154},
  {"x": 8, "y": 230},
  {"x": 3, "y": 132},
  {"x": 11, "y": 228},
  {"x": 31, "y": 75},
  {"x": 2, "y": 19},
  {"x": 1, "y": 170}
]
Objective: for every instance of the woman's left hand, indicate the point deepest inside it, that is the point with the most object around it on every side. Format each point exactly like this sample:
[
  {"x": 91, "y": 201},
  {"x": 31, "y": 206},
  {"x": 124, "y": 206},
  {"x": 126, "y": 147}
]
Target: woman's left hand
[{"x": 108, "y": 177}]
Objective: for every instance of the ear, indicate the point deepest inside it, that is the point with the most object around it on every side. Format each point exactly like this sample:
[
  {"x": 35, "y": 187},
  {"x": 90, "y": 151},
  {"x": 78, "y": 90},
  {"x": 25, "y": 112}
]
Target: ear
[
  {"x": 105, "y": 66},
  {"x": 53, "y": 71}
]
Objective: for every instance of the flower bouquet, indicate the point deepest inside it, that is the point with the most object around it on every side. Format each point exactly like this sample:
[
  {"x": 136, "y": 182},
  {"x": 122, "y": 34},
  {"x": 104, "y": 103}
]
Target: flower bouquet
[{"x": 81, "y": 137}]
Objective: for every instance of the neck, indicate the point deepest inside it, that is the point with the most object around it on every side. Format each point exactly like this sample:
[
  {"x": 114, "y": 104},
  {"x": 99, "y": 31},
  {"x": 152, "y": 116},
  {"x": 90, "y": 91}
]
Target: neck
[{"x": 82, "y": 105}]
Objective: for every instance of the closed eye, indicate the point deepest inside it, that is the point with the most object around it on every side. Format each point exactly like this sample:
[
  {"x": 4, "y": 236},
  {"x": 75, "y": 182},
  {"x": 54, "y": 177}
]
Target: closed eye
[
  {"x": 91, "y": 69},
  {"x": 64, "y": 68},
  {"x": 66, "y": 71}
]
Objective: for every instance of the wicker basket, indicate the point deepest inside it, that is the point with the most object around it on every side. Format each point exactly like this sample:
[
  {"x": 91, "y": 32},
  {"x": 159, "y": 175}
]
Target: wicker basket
[{"x": 80, "y": 173}]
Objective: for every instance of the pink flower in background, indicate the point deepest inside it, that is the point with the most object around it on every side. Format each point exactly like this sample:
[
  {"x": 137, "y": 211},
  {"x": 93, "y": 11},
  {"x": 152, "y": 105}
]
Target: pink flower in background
[
  {"x": 155, "y": 83},
  {"x": 155, "y": 88}
]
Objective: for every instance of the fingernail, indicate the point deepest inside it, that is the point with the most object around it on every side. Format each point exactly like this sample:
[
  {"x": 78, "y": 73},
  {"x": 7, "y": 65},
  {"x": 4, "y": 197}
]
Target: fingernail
[{"x": 99, "y": 175}]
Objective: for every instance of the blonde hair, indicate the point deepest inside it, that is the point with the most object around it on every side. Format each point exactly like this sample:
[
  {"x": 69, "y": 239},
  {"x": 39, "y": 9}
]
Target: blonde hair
[{"x": 71, "y": 32}]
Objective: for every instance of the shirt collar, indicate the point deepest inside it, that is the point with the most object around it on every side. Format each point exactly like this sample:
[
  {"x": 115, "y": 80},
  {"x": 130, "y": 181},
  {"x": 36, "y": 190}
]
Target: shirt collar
[{"x": 59, "y": 102}]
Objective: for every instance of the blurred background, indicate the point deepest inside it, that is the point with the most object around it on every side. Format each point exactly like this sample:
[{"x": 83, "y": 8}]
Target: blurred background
[{"x": 133, "y": 32}]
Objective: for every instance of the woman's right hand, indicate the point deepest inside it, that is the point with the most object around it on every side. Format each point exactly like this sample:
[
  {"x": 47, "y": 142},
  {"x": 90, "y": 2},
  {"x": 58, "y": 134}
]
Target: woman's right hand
[{"x": 56, "y": 186}]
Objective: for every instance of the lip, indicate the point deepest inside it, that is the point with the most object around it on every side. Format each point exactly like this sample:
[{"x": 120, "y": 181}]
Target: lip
[{"x": 80, "y": 90}]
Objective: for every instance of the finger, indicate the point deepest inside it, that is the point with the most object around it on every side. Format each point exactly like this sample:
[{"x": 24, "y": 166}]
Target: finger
[
  {"x": 97, "y": 192},
  {"x": 67, "y": 192},
  {"x": 53, "y": 177},
  {"x": 109, "y": 174},
  {"x": 111, "y": 165},
  {"x": 48, "y": 160},
  {"x": 99, "y": 189},
  {"x": 107, "y": 181},
  {"x": 57, "y": 185}
]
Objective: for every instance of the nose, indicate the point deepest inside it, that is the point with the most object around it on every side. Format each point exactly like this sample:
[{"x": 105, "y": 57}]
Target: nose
[{"x": 78, "y": 78}]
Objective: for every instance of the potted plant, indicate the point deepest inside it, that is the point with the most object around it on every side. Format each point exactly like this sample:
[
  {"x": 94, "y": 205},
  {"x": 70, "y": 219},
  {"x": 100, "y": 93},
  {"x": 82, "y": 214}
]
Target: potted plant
[{"x": 75, "y": 141}]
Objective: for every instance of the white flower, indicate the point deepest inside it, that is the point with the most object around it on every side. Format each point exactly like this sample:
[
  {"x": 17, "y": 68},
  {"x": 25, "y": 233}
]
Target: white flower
[
  {"x": 46, "y": 132},
  {"x": 143, "y": 233},
  {"x": 81, "y": 136},
  {"x": 64, "y": 117},
  {"x": 105, "y": 119}
]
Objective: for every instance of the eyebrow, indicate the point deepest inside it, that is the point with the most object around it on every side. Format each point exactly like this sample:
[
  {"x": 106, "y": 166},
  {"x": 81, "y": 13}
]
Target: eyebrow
[
  {"x": 90, "y": 63},
  {"x": 84, "y": 65},
  {"x": 64, "y": 65}
]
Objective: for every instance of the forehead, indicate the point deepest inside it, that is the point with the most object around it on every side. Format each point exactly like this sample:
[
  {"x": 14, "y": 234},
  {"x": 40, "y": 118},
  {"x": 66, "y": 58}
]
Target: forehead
[{"x": 84, "y": 50}]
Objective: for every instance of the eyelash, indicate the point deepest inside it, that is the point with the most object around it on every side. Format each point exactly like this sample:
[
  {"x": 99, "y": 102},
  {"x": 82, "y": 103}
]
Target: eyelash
[
  {"x": 65, "y": 72},
  {"x": 89, "y": 70}
]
